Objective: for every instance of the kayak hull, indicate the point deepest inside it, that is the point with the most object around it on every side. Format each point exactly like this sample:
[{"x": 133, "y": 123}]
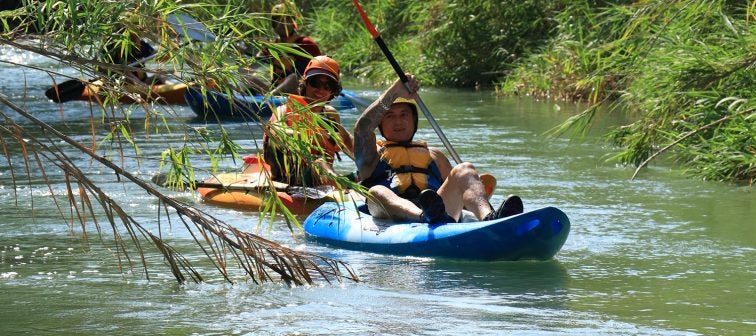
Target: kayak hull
[
  {"x": 534, "y": 235},
  {"x": 161, "y": 94},
  {"x": 254, "y": 198},
  {"x": 219, "y": 105}
]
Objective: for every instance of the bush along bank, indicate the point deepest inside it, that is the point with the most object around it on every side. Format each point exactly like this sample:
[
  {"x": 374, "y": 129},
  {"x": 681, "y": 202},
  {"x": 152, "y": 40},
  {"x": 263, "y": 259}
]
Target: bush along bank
[{"x": 685, "y": 70}]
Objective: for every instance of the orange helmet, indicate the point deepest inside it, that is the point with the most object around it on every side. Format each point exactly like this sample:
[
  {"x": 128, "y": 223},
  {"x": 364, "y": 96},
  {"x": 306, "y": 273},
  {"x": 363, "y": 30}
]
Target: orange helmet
[{"x": 323, "y": 65}]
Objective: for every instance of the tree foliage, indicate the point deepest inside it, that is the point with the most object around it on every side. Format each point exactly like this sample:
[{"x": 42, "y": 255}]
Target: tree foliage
[
  {"x": 667, "y": 62},
  {"x": 74, "y": 33},
  {"x": 474, "y": 43},
  {"x": 451, "y": 43},
  {"x": 685, "y": 69}
]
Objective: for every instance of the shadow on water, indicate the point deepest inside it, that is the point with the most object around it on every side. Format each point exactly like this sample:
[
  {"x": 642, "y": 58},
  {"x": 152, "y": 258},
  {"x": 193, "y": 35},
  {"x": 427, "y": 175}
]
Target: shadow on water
[
  {"x": 524, "y": 283},
  {"x": 537, "y": 278}
]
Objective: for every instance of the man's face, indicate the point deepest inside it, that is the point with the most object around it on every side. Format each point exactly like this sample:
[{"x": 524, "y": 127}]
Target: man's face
[{"x": 398, "y": 124}]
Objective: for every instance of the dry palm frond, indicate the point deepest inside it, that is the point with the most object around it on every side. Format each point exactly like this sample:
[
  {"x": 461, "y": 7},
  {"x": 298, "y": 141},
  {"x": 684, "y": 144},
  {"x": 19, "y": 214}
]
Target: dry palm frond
[{"x": 261, "y": 259}]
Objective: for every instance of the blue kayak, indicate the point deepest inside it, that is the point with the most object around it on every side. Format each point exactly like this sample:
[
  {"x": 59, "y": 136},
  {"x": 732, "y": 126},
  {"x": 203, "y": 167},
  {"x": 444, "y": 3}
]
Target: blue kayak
[
  {"x": 220, "y": 105},
  {"x": 534, "y": 235}
]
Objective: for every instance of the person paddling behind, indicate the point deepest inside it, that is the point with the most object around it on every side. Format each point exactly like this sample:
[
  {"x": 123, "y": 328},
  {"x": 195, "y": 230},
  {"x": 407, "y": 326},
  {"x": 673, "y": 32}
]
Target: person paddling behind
[
  {"x": 409, "y": 181},
  {"x": 297, "y": 118},
  {"x": 287, "y": 68}
]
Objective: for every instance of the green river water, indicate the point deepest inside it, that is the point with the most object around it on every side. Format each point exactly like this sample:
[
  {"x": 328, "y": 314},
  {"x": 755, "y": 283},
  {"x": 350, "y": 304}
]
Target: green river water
[{"x": 659, "y": 255}]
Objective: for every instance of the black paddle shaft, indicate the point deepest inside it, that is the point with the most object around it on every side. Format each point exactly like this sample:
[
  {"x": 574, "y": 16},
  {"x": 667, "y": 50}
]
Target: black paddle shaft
[
  {"x": 392, "y": 60},
  {"x": 426, "y": 112}
]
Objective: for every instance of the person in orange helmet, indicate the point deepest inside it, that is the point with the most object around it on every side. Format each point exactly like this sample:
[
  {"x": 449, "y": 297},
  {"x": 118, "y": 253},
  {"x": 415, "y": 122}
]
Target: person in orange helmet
[
  {"x": 307, "y": 115},
  {"x": 407, "y": 179}
]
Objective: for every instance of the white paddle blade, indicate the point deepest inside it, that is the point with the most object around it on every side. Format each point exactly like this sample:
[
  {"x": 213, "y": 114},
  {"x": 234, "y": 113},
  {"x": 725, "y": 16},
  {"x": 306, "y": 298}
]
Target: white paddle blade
[{"x": 190, "y": 28}]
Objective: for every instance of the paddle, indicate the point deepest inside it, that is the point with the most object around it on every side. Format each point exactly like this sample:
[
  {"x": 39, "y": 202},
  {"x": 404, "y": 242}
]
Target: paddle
[
  {"x": 66, "y": 91},
  {"x": 359, "y": 103},
  {"x": 256, "y": 185},
  {"x": 489, "y": 183},
  {"x": 183, "y": 24},
  {"x": 192, "y": 29},
  {"x": 377, "y": 38}
]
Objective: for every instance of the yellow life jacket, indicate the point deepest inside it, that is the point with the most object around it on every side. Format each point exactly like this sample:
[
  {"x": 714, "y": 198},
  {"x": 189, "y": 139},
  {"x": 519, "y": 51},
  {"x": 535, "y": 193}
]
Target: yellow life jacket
[{"x": 406, "y": 166}]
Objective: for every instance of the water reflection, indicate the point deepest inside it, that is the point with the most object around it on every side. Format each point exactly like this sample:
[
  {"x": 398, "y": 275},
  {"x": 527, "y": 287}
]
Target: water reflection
[{"x": 507, "y": 278}]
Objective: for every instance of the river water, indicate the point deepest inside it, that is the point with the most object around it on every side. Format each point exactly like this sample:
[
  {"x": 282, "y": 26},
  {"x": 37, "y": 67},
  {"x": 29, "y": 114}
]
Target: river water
[{"x": 659, "y": 255}]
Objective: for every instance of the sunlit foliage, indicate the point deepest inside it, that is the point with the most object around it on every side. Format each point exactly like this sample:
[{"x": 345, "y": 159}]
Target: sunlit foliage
[
  {"x": 683, "y": 69},
  {"x": 74, "y": 33}
]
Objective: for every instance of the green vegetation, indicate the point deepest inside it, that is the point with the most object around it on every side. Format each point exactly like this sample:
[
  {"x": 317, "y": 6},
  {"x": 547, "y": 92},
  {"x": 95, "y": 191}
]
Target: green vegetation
[
  {"x": 74, "y": 33},
  {"x": 684, "y": 70},
  {"x": 449, "y": 43}
]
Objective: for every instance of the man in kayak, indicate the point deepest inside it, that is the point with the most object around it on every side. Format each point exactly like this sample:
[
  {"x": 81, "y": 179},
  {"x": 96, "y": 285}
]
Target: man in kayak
[
  {"x": 307, "y": 117},
  {"x": 287, "y": 68},
  {"x": 409, "y": 181}
]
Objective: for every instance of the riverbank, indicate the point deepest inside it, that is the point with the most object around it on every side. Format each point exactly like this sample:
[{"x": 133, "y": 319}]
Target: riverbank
[{"x": 682, "y": 71}]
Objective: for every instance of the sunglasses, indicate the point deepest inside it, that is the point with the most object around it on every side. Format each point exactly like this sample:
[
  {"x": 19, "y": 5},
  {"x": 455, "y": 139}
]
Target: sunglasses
[{"x": 321, "y": 84}]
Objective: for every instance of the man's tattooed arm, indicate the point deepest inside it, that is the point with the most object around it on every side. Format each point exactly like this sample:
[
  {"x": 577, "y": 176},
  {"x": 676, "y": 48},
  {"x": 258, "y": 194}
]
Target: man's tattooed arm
[{"x": 365, "y": 150}]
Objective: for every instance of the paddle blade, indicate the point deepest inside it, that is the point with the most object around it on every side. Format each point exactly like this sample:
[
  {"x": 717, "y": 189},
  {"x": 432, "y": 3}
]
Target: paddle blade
[
  {"x": 489, "y": 182},
  {"x": 162, "y": 180},
  {"x": 69, "y": 90},
  {"x": 360, "y": 103},
  {"x": 190, "y": 28},
  {"x": 365, "y": 19},
  {"x": 318, "y": 192}
]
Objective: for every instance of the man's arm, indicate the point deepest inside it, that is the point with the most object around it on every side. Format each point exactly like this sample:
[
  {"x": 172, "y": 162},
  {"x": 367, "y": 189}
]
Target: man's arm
[
  {"x": 442, "y": 162},
  {"x": 288, "y": 86},
  {"x": 365, "y": 151},
  {"x": 345, "y": 136}
]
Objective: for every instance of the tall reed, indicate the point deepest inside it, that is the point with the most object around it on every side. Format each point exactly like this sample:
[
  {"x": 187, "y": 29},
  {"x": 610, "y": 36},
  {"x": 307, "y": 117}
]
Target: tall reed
[{"x": 683, "y": 69}]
